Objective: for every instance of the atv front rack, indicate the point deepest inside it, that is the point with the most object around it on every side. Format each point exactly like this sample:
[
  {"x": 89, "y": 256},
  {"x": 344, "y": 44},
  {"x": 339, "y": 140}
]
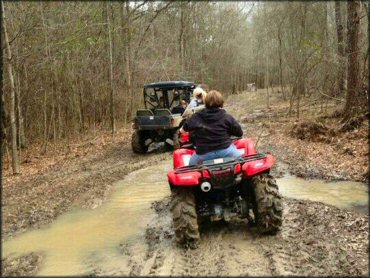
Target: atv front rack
[{"x": 241, "y": 160}]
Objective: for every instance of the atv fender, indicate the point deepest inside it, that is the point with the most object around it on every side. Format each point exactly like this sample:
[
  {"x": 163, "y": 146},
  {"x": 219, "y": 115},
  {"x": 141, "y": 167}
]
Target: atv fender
[
  {"x": 247, "y": 145},
  {"x": 181, "y": 157},
  {"x": 259, "y": 166},
  {"x": 184, "y": 179}
]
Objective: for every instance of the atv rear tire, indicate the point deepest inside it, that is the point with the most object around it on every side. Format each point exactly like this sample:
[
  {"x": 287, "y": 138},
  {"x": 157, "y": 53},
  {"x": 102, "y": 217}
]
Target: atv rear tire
[
  {"x": 137, "y": 143},
  {"x": 267, "y": 207},
  {"x": 184, "y": 216}
]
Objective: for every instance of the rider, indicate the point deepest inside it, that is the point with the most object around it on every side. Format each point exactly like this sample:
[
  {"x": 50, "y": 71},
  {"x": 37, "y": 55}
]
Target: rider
[
  {"x": 180, "y": 108},
  {"x": 196, "y": 104},
  {"x": 199, "y": 95},
  {"x": 212, "y": 128}
]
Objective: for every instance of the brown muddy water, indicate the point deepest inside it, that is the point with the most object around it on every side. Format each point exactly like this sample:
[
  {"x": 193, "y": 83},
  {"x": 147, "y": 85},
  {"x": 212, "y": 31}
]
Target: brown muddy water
[
  {"x": 79, "y": 239},
  {"x": 342, "y": 194},
  {"x": 77, "y": 236}
]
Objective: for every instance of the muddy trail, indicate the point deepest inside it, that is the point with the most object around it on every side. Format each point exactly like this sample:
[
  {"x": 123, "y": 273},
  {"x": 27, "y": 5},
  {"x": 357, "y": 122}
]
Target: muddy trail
[
  {"x": 108, "y": 214},
  {"x": 131, "y": 234}
]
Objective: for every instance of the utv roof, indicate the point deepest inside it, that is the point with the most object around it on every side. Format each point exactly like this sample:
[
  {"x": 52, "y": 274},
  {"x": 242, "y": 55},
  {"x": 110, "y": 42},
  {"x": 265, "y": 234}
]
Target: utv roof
[{"x": 170, "y": 84}]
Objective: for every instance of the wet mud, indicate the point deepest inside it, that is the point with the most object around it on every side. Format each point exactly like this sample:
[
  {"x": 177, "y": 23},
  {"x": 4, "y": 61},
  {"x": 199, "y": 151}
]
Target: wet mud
[
  {"x": 310, "y": 244},
  {"x": 316, "y": 239},
  {"x": 113, "y": 210},
  {"x": 131, "y": 234}
]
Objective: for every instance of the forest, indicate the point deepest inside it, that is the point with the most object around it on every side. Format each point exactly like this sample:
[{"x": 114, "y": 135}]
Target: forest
[
  {"x": 72, "y": 67},
  {"x": 83, "y": 194}
]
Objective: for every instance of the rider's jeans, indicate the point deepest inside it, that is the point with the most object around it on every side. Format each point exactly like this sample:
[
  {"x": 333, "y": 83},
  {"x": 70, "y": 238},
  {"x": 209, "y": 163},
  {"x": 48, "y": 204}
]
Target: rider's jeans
[{"x": 231, "y": 151}]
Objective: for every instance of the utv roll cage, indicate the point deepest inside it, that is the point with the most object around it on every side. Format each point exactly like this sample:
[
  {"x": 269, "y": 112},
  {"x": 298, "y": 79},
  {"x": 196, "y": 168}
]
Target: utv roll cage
[{"x": 153, "y": 92}]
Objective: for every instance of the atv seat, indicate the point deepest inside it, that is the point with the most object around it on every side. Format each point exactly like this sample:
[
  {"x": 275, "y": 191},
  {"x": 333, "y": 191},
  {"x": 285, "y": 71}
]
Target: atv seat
[{"x": 181, "y": 157}]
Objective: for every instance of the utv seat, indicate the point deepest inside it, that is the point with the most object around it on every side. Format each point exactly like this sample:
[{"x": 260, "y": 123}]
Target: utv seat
[
  {"x": 162, "y": 112},
  {"x": 144, "y": 112},
  {"x": 178, "y": 110}
]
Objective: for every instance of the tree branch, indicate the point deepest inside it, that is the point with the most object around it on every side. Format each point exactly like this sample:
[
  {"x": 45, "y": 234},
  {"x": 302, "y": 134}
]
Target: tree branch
[{"x": 157, "y": 12}]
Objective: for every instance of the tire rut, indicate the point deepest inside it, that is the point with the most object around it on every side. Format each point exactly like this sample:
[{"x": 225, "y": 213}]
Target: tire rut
[
  {"x": 305, "y": 245},
  {"x": 218, "y": 253}
]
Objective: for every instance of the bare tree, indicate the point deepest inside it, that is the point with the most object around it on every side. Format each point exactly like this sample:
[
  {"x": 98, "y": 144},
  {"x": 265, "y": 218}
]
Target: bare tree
[
  {"x": 340, "y": 43},
  {"x": 127, "y": 60},
  {"x": 182, "y": 39},
  {"x": 111, "y": 78},
  {"x": 15, "y": 161},
  {"x": 353, "y": 23},
  {"x": 47, "y": 55}
]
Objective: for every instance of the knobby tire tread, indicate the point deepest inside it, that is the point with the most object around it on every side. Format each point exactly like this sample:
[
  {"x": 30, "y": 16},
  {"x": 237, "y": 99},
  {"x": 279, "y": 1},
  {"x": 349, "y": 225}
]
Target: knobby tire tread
[
  {"x": 185, "y": 219},
  {"x": 268, "y": 208}
]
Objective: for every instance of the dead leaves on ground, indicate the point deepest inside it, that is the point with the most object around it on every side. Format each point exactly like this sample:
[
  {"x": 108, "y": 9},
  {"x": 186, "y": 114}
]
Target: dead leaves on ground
[
  {"x": 342, "y": 155},
  {"x": 61, "y": 153}
]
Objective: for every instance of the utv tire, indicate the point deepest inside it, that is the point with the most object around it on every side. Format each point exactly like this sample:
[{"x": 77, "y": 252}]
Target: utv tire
[
  {"x": 176, "y": 142},
  {"x": 137, "y": 143},
  {"x": 267, "y": 207},
  {"x": 184, "y": 216}
]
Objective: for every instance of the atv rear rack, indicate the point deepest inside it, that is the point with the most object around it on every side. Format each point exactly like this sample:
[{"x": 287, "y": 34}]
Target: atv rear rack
[{"x": 242, "y": 160}]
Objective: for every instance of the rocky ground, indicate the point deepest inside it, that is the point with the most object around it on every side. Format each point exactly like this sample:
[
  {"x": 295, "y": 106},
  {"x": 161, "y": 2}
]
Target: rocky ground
[{"x": 316, "y": 239}]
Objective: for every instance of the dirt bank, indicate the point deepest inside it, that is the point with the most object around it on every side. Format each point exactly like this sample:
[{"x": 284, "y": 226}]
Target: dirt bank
[
  {"x": 316, "y": 239},
  {"x": 331, "y": 156}
]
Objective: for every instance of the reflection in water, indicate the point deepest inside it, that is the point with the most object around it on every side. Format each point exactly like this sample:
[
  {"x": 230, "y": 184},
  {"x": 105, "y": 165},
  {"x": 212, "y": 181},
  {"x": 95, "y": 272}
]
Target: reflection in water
[
  {"x": 80, "y": 234},
  {"x": 77, "y": 236},
  {"x": 343, "y": 194}
]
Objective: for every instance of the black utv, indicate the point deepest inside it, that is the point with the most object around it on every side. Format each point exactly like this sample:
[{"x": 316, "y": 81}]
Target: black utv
[{"x": 160, "y": 120}]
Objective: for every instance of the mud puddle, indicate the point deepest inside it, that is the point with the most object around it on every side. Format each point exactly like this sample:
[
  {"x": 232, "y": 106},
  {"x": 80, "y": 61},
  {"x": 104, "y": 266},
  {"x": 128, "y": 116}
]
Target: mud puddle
[
  {"x": 79, "y": 237},
  {"x": 342, "y": 194}
]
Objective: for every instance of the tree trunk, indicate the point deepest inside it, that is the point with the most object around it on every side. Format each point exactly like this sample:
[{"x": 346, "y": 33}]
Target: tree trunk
[
  {"x": 81, "y": 105},
  {"x": 301, "y": 88},
  {"x": 280, "y": 65},
  {"x": 45, "y": 142},
  {"x": 267, "y": 81},
  {"x": 123, "y": 36},
  {"x": 47, "y": 54},
  {"x": 26, "y": 90},
  {"x": 21, "y": 142},
  {"x": 353, "y": 24},
  {"x": 267, "y": 78},
  {"x": 22, "y": 139},
  {"x": 4, "y": 119},
  {"x": 301, "y": 72},
  {"x": 59, "y": 129},
  {"x": 113, "y": 126},
  {"x": 15, "y": 161},
  {"x": 181, "y": 41},
  {"x": 325, "y": 55},
  {"x": 128, "y": 72},
  {"x": 340, "y": 43}
]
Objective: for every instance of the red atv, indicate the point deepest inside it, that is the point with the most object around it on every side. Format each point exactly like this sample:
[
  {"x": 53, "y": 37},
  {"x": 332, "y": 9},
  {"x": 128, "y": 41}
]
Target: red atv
[{"x": 223, "y": 188}]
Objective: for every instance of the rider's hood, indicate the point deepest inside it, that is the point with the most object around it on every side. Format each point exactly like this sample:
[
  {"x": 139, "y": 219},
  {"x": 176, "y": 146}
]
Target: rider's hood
[{"x": 212, "y": 114}]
